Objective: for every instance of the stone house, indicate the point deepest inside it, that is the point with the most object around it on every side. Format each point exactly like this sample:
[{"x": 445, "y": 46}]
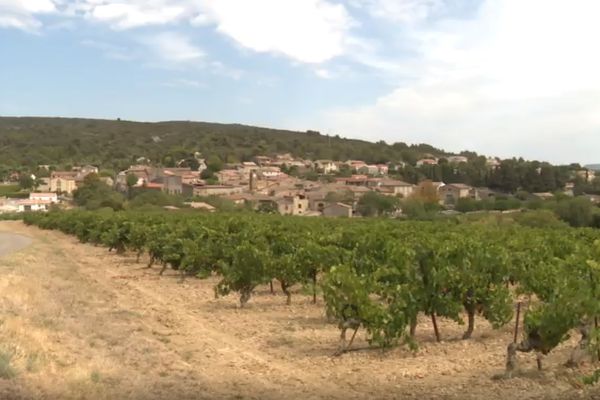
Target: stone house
[{"x": 337, "y": 210}]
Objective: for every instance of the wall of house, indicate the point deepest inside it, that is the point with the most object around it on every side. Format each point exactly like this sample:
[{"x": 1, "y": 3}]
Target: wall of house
[
  {"x": 61, "y": 185},
  {"x": 173, "y": 184},
  {"x": 217, "y": 191},
  {"x": 336, "y": 210}
]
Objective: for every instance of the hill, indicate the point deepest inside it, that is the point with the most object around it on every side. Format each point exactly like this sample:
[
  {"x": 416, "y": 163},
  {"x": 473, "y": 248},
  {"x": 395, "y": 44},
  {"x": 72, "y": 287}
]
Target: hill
[
  {"x": 595, "y": 167},
  {"x": 115, "y": 144}
]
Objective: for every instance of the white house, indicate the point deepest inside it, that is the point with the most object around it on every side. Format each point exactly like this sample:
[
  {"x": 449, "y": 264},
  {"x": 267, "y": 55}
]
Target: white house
[
  {"x": 427, "y": 161},
  {"x": 327, "y": 166},
  {"x": 49, "y": 197},
  {"x": 32, "y": 205}
]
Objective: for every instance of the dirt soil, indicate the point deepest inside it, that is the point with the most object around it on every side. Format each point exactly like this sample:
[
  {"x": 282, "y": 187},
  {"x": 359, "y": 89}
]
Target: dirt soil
[{"x": 77, "y": 322}]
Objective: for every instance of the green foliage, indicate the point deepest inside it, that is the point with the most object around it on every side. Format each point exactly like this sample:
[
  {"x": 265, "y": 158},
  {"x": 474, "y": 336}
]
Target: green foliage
[
  {"x": 576, "y": 212},
  {"x": 539, "y": 219},
  {"x": 155, "y": 198},
  {"x": 375, "y": 204},
  {"x": 267, "y": 207},
  {"x": 384, "y": 272},
  {"x": 95, "y": 194},
  {"x": 26, "y": 182},
  {"x": 246, "y": 269}
]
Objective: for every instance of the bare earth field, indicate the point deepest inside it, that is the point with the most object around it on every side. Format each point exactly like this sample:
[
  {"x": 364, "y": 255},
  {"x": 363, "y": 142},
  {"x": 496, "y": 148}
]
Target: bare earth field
[{"x": 79, "y": 323}]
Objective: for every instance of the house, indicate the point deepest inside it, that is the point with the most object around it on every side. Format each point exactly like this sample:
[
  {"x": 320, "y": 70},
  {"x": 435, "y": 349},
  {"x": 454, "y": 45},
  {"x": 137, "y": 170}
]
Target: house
[
  {"x": 427, "y": 161},
  {"x": 292, "y": 205},
  {"x": 86, "y": 170},
  {"x": 355, "y": 165},
  {"x": 173, "y": 179},
  {"x": 248, "y": 166},
  {"x": 457, "y": 159},
  {"x": 588, "y": 175},
  {"x": 358, "y": 191},
  {"x": 143, "y": 173},
  {"x": 354, "y": 180},
  {"x": 173, "y": 184},
  {"x": 337, "y": 210},
  {"x": 64, "y": 181},
  {"x": 35, "y": 202},
  {"x": 43, "y": 184},
  {"x": 287, "y": 157},
  {"x": 262, "y": 160},
  {"x": 46, "y": 197},
  {"x": 210, "y": 190},
  {"x": 228, "y": 176},
  {"x": 383, "y": 169},
  {"x": 393, "y": 187},
  {"x": 327, "y": 166},
  {"x": 452, "y": 192},
  {"x": 269, "y": 172},
  {"x": 492, "y": 162},
  {"x": 27, "y": 205},
  {"x": 368, "y": 169}
]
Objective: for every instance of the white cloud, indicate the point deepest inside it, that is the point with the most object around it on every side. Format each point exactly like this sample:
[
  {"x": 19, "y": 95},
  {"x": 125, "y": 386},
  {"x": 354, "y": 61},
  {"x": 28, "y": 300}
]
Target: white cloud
[
  {"x": 189, "y": 83},
  {"x": 519, "y": 79},
  {"x": 405, "y": 11},
  {"x": 22, "y": 14},
  {"x": 124, "y": 15},
  {"x": 173, "y": 48},
  {"x": 110, "y": 50},
  {"x": 309, "y": 31},
  {"x": 323, "y": 73}
]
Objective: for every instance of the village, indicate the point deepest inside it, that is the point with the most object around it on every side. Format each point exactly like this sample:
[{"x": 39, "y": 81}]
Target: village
[{"x": 281, "y": 184}]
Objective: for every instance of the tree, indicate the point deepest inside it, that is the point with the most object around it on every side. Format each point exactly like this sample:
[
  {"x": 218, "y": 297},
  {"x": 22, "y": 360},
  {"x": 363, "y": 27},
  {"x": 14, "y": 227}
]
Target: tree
[
  {"x": 95, "y": 194},
  {"x": 375, "y": 204},
  {"x": 427, "y": 193},
  {"x": 214, "y": 163},
  {"x": 267, "y": 207},
  {"x": 131, "y": 180},
  {"x": 578, "y": 212},
  {"x": 27, "y": 182},
  {"x": 346, "y": 197}
]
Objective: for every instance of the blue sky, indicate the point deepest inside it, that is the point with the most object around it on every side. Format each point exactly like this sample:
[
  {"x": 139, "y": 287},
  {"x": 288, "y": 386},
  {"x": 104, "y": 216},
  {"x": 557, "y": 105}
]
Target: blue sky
[{"x": 501, "y": 77}]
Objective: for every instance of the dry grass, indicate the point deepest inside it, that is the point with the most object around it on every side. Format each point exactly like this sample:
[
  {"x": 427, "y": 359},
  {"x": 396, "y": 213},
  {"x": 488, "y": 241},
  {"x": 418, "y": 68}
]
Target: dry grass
[{"x": 78, "y": 323}]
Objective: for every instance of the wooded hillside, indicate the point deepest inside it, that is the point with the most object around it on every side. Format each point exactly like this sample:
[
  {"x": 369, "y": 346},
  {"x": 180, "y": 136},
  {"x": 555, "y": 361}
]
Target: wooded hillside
[{"x": 116, "y": 144}]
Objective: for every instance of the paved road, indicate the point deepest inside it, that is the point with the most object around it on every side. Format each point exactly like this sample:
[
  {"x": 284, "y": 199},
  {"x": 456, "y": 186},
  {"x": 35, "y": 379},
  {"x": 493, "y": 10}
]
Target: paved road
[{"x": 10, "y": 242}]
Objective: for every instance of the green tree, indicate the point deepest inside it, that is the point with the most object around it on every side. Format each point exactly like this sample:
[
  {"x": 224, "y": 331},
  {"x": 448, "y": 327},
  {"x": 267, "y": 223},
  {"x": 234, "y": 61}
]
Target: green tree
[
  {"x": 95, "y": 194},
  {"x": 374, "y": 204},
  {"x": 131, "y": 180},
  {"x": 577, "y": 212},
  {"x": 27, "y": 182}
]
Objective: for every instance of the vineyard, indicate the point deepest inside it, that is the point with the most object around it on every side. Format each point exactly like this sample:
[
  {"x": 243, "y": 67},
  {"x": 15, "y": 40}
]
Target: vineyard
[{"x": 377, "y": 274}]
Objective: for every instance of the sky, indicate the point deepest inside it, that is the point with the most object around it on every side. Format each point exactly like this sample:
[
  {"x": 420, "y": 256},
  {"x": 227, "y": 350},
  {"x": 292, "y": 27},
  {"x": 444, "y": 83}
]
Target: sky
[{"x": 501, "y": 77}]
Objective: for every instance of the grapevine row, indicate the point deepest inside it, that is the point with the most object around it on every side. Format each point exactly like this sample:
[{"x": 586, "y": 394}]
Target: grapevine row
[{"x": 380, "y": 274}]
